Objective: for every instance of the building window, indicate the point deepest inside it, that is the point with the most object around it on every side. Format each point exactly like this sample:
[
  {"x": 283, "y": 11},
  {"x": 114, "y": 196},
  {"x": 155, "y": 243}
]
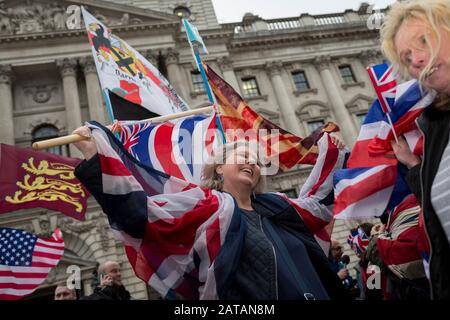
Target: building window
[
  {"x": 313, "y": 125},
  {"x": 182, "y": 12},
  {"x": 45, "y": 132},
  {"x": 361, "y": 117},
  {"x": 291, "y": 193},
  {"x": 250, "y": 87},
  {"x": 300, "y": 80},
  {"x": 347, "y": 74},
  {"x": 197, "y": 81}
]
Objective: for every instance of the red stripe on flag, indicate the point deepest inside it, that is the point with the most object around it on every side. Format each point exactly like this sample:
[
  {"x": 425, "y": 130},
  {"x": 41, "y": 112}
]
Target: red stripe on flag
[
  {"x": 164, "y": 150},
  {"x": 19, "y": 286},
  {"x": 23, "y": 275},
  {"x": 112, "y": 166},
  {"x": 365, "y": 188},
  {"x": 328, "y": 165},
  {"x": 213, "y": 239}
]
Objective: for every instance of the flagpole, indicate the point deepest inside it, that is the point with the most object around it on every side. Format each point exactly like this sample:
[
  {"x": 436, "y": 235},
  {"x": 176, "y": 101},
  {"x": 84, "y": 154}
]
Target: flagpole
[
  {"x": 392, "y": 127},
  {"x": 194, "y": 40},
  {"x": 44, "y": 144}
]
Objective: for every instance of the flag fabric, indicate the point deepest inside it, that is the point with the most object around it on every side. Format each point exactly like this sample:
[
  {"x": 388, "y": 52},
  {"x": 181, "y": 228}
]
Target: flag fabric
[
  {"x": 178, "y": 236},
  {"x": 25, "y": 261},
  {"x": 374, "y": 181},
  {"x": 236, "y": 114},
  {"x": 193, "y": 35},
  {"x": 123, "y": 71},
  {"x": 384, "y": 81},
  {"x": 33, "y": 179},
  {"x": 399, "y": 246},
  {"x": 358, "y": 241},
  {"x": 178, "y": 148}
]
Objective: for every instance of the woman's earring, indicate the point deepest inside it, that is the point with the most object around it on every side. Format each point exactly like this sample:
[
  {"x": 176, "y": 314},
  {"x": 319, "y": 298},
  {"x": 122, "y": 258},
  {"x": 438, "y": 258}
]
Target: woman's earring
[{"x": 220, "y": 178}]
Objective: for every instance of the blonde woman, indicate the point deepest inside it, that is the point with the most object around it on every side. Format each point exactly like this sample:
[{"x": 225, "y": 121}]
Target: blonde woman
[
  {"x": 416, "y": 38},
  {"x": 226, "y": 239}
]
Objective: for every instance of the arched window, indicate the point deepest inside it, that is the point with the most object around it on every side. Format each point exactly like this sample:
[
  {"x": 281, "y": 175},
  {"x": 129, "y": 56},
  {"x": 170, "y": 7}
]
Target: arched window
[{"x": 45, "y": 132}]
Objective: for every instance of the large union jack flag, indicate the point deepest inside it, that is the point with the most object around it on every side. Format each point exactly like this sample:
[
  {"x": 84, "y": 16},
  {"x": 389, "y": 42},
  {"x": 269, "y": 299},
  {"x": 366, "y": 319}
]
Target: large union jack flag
[{"x": 374, "y": 181}]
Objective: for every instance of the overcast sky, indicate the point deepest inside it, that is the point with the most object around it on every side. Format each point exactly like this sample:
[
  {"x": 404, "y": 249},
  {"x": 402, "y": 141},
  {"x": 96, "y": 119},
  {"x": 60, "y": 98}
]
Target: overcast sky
[{"x": 234, "y": 10}]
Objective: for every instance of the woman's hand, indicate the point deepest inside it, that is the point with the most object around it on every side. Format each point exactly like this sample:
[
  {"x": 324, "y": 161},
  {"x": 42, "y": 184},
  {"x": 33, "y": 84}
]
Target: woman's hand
[
  {"x": 404, "y": 154},
  {"x": 87, "y": 147},
  {"x": 337, "y": 141}
]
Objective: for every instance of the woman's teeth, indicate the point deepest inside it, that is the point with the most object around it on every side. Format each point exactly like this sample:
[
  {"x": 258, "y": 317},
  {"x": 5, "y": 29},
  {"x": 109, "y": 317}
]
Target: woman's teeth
[{"x": 431, "y": 71}]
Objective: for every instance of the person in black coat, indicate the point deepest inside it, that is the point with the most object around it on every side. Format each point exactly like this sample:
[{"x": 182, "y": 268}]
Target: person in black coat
[{"x": 111, "y": 287}]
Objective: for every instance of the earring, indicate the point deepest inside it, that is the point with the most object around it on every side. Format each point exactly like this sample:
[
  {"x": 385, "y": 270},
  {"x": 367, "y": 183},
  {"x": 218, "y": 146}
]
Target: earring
[{"x": 220, "y": 178}]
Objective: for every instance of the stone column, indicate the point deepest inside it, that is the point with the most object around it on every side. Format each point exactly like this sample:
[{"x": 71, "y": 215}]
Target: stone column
[
  {"x": 286, "y": 109},
  {"x": 343, "y": 118},
  {"x": 226, "y": 65},
  {"x": 6, "y": 105},
  {"x": 174, "y": 72},
  {"x": 67, "y": 68},
  {"x": 97, "y": 111}
]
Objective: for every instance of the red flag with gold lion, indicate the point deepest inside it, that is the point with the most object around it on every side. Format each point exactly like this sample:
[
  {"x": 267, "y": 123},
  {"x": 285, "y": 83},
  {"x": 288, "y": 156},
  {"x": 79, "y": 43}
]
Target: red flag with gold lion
[{"x": 32, "y": 179}]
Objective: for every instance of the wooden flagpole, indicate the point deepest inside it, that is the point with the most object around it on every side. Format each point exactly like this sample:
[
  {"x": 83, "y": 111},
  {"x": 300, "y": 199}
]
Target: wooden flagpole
[{"x": 44, "y": 144}]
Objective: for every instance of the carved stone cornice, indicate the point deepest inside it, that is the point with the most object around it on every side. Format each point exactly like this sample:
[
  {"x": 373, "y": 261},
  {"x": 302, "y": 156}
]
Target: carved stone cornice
[
  {"x": 370, "y": 57},
  {"x": 67, "y": 67},
  {"x": 274, "y": 68},
  {"x": 88, "y": 65},
  {"x": 322, "y": 62},
  {"x": 6, "y": 74},
  {"x": 70, "y": 225},
  {"x": 225, "y": 63}
]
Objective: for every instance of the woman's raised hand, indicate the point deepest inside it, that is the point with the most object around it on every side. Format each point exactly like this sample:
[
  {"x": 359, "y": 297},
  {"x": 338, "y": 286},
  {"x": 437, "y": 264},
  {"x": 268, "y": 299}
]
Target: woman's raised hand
[
  {"x": 87, "y": 147},
  {"x": 404, "y": 154}
]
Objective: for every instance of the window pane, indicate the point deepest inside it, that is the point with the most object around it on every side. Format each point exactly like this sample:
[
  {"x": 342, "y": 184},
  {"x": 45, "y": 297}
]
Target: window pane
[
  {"x": 301, "y": 83},
  {"x": 47, "y": 132},
  {"x": 313, "y": 125},
  {"x": 250, "y": 87},
  {"x": 197, "y": 81},
  {"x": 347, "y": 74}
]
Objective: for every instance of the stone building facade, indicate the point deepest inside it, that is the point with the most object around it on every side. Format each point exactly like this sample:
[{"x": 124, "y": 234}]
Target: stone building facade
[{"x": 299, "y": 72}]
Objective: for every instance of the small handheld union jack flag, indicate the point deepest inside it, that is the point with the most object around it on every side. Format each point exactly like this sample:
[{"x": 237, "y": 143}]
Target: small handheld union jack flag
[{"x": 384, "y": 81}]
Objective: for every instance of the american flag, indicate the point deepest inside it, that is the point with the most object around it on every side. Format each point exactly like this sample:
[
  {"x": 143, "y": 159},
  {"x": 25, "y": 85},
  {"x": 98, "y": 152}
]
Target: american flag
[{"x": 25, "y": 261}]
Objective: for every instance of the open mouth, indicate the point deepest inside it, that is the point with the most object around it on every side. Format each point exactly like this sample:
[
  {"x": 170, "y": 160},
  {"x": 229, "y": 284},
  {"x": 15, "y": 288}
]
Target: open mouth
[
  {"x": 247, "y": 170},
  {"x": 432, "y": 70}
]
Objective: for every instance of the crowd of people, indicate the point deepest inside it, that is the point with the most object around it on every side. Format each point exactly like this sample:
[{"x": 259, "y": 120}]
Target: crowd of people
[{"x": 268, "y": 244}]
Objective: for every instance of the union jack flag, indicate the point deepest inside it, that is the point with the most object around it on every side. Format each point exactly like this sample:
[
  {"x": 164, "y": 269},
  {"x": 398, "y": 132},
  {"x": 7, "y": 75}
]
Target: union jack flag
[
  {"x": 374, "y": 181},
  {"x": 178, "y": 148},
  {"x": 384, "y": 81},
  {"x": 182, "y": 238},
  {"x": 358, "y": 241},
  {"x": 25, "y": 261}
]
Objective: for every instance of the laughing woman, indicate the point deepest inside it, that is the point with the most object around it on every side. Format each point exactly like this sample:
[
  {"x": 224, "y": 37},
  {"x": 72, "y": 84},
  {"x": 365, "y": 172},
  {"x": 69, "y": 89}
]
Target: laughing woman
[
  {"x": 224, "y": 240},
  {"x": 416, "y": 38}
]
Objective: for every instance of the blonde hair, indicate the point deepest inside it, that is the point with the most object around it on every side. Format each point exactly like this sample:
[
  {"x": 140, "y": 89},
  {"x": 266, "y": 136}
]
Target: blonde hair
[
  {"x": 435, "y": 12},
  {"x": 212, "y": 180}
]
